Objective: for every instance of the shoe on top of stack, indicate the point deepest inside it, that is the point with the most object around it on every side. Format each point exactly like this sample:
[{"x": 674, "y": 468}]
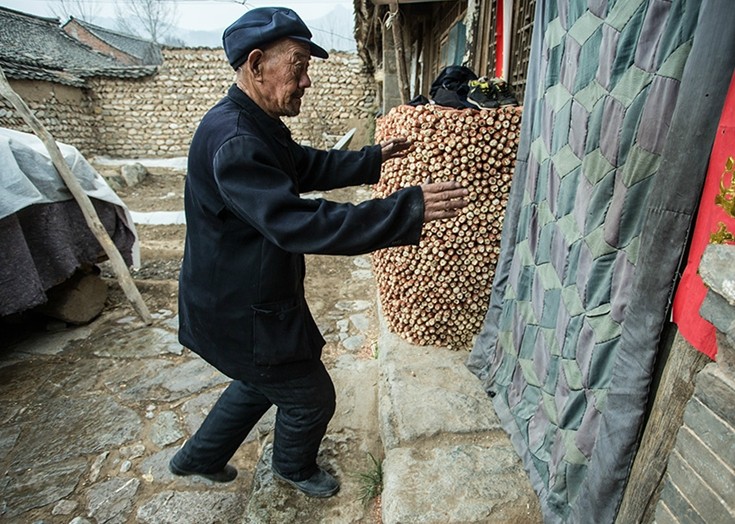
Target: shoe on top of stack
[
  {"x": 482, "y": 94},
  {"x": 489, "y": 94},
  {"x": 503, "y": 93}
]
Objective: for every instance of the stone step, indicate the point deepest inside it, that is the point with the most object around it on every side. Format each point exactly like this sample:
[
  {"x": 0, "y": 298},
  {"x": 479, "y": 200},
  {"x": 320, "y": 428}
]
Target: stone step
[{"x": 447, "y": 459}]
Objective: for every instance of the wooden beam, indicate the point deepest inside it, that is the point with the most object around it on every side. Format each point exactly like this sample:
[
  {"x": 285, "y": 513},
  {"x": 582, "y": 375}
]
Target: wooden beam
[
  {"x": 400, "y": 54},
  {"x": 90, "y": 214}
]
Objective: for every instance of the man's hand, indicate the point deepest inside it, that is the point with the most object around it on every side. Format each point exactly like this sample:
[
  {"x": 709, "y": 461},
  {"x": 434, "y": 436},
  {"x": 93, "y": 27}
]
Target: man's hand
[
  {"x": 443, "y": 200},
  {"x": 395, "y": 148}
]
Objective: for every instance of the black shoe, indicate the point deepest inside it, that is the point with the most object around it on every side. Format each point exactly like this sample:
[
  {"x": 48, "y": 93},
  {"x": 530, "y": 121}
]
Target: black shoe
[
  {"x": 226, "y": 474},
  {"x": 481, "y": 94},
  {"x": 503, "y": 94},
  {"x": 321, "y": 484}
]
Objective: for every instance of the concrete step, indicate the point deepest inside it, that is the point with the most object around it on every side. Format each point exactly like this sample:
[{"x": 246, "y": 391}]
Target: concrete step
[{"x": 447, "y": 460}]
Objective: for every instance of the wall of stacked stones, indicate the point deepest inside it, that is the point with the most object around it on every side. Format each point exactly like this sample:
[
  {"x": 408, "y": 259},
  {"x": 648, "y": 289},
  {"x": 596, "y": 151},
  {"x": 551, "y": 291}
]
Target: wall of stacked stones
[
  {"x": 156, "y": 116},
  {"x": 67, "y": 112}
]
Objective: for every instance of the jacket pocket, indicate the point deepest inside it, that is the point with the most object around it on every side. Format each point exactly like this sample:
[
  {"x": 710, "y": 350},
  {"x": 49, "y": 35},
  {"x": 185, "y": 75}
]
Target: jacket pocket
[{"x": 279, "y": 333}]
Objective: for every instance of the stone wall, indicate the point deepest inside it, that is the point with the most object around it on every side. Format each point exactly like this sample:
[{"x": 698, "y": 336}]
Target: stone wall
[
  {"x": 699, "y": 485},
  {"x": 67, "y": 112},
  {"x": 156, "y": 116}
]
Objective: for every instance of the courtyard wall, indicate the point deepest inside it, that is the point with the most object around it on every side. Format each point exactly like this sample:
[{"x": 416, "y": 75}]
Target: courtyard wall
[{"x": 156, "y": 116}]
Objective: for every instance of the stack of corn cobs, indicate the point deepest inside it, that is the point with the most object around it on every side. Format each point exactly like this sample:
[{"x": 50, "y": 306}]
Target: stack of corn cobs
[{"x": 437, "y": 293}]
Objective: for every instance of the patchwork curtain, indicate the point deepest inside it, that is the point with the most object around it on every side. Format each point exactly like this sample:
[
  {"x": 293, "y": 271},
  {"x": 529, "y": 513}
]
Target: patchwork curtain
[{"x": 622, "y": 102}]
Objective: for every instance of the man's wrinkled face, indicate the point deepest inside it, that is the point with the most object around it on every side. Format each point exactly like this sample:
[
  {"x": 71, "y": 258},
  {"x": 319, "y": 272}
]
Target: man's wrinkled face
[{"x": 285, "y": 77}]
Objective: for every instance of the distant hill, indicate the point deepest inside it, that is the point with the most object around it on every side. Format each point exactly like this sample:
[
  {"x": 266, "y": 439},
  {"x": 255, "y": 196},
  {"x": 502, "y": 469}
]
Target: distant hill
[{"x": 333, "y": 31}]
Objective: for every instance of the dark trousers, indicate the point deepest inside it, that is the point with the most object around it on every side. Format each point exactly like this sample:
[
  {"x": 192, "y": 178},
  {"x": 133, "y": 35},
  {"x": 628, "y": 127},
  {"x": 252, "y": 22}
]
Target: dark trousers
[{"x": 305, "y": 406}]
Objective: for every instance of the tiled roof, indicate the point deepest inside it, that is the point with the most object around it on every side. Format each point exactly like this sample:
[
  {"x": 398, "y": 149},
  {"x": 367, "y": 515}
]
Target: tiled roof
[
  {"x": 147, "y": 52},
  {"x": 36, "y": 48}
]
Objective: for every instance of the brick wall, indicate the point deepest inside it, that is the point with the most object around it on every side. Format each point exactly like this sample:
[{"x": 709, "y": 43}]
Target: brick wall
[
  {"x": 699, "y": 485},
  {"x": 156, "y": 116}
]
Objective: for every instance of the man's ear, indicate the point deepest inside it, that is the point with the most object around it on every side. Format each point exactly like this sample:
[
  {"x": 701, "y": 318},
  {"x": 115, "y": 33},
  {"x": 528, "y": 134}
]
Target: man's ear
[{"x": 254, "y": 63}]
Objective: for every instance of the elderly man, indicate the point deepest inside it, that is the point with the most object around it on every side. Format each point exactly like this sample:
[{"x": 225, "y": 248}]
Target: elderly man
[{"x": 241, "y": 296}]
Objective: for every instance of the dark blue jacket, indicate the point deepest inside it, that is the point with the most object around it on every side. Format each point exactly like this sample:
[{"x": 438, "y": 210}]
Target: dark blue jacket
[{"x": 241, "y": 288}]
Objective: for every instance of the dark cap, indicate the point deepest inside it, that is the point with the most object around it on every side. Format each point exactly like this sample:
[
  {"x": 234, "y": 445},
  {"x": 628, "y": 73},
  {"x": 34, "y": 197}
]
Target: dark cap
[{"x": 261, "y": 26}]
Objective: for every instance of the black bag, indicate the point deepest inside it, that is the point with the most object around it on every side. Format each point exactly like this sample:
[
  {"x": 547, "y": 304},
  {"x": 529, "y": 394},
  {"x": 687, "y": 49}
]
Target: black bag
[{"x": 451, "y": 86}]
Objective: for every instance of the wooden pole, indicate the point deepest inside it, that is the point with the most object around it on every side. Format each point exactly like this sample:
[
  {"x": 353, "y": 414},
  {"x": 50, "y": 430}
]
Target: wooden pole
[
  {"x": 400, "y": 54},
  {"x": 90, "y": 214}
]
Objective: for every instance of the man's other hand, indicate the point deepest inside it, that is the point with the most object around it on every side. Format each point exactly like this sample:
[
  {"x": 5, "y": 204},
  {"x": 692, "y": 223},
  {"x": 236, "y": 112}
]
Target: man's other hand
[
  {"x": 443, "y": 200},
  {"x": 395, "y": 147}
]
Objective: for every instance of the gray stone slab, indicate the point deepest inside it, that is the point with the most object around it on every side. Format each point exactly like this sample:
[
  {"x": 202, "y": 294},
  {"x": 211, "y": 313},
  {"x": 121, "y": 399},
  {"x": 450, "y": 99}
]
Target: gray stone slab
[
  {"x": 716, "y": 391},
  {"x": 21, "y": 380},
  {"x": 457, "y": 484},
  {"x": 711, "y": 430},
  {"x": 356, "y": 384},
  {"x": 166, "y": 429},
  {"x": 677, "y": 504},
  {"x": 39, "y": 485},
  {"x": 8, "y": 438},
  {"x": 161, "y": 380},
  {"x": 81, "y": 426},
  {"x": 715, "y": 268},
  {"x": 177, "y": 507},
  {"x": 362, "y": 274},
  {"x": 144, "y": 342},
  {"x": 707, "y": 503},
  {"x": 717, "y": 475},
  {"x": 52, "y": 343},
  {"x": 172, "y": 323},
  {"x": 111, "y": 502},
  {"x": 64, "y": 507},
  {"x": 428, "y": 391},
  {"x": 718, "y": 312},
  {"x": 196, "y": 409},
  {"x": 96, "y": 469},
  {"x": 353, "y": 343},
  {"x": 362, "y": 262},
  {"x": 353, "y": 305},
  {"x": 360, "y": 321}
]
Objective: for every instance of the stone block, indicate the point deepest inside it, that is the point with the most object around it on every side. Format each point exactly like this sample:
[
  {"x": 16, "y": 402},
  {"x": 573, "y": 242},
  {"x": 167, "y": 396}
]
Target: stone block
[
  {"x": 707, "y": 504},
  {"x": 678, "y": 505},
  {"x": 445, "y": 397},
  {"x": 716, "y": 390},
  {"x": 78, "y": 300},
  {"x": 716, "y": 271},
  {"x": 457, "y": 484},
  {"x": 114, "y": 180},
  {"x": 133, "y": 173},
  {"x": 718, "y": 476},
  {"x": 711, "y": 430}
]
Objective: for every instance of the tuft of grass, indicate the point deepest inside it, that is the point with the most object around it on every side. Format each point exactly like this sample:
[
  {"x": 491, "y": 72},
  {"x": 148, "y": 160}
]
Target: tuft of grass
[{"x": 371, "y": 481}]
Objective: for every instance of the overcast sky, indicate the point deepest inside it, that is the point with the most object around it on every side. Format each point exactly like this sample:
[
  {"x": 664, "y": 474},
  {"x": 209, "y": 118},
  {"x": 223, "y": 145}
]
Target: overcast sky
[{"x": 196, "y": 14}]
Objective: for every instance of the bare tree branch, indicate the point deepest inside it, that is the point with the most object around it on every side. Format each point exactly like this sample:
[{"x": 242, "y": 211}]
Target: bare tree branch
[
  {"x": 81, "y": 9},
  {"x": 150, "y": 19}
]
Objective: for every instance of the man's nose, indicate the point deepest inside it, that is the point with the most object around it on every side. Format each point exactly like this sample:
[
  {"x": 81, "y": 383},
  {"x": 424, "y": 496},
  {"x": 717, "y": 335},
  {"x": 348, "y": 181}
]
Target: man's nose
[{"x": 305, "y": 81}]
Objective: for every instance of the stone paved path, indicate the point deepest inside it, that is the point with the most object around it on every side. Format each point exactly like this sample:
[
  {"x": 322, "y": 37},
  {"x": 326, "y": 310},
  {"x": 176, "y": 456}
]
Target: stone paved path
[{"x": 90, "y": 416}]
